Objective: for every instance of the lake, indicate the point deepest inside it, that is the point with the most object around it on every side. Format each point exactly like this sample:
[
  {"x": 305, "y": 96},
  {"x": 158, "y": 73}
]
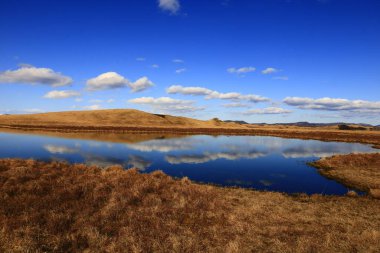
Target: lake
[{"x": 259, "y": 162}]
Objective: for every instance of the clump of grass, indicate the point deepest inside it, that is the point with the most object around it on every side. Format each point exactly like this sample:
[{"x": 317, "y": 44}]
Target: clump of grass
[
  {"x": 62, "y": 207},
  {"x": 352, "y": 194},
  {"x": 360, "y": 171}
]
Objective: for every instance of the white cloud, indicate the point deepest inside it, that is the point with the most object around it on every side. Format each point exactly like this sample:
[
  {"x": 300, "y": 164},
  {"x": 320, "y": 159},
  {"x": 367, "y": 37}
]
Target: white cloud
[
  {"x": 211, "y": 94},
  {"x": 140, "y": 59},
  {"x": 113, "y": 80},
  {"x": 108, "y": 80},
  {"x": 235, "y": 105},
  {"x": 334, "y": 104},
  {"x": 57, "y": 94},
  {"x": 242, "y": 70},
  {"x": 167, "y": 104},
  {"x": 159, "y": 101},
  {"x": 155, "y": 66},
  {"x": 110, "y": 100},
  {"x": 141, "y": 84},
  {"x": 172, "y": 6},
  {"x": 177, "y": 61},
  {"x": 179, "y": 71},
  {"x": 178, "y": 89},
  {"x": 269, "y": 71},
  {"x": 32, "y": 75},
  {"x": 268, "y": 110},
  {"x": 92, "y": 107}
]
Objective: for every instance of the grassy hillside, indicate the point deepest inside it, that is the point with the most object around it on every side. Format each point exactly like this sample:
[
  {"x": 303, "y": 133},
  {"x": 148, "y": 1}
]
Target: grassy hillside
[{"x": 115, "y": 117}]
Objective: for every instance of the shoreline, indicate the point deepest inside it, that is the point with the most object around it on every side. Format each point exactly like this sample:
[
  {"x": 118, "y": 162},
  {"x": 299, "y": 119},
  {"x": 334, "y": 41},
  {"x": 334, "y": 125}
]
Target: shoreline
[
  {"x": 365, "y": 137},
  {"x": 74, "y": 207},
  {"x": 359, "y": 171}
]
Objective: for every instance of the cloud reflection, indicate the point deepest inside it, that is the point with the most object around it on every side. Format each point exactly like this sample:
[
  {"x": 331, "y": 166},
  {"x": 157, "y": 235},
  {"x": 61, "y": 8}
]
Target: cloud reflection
[
  {"x": 165, "y": 145},
  {"x": 321, "y": 150},
  {"x": 57, "y": 149},
  {"x": 138, "y": 162},
  {"x": 207, "y": 157}
]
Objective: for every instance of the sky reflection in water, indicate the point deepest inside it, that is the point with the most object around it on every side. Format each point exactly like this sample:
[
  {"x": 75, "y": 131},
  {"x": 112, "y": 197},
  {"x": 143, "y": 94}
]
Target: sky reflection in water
[{"x": 265, "y": 163}]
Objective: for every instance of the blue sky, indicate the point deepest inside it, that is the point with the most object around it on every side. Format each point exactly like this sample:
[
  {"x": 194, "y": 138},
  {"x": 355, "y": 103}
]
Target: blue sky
[{"x": 259, "y": 61}]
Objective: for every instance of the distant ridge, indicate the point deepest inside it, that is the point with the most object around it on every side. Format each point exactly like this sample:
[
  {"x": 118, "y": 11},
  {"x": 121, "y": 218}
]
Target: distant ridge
[
  {"x": 305, "y": 124},
  {"x": 242, "y": 122}
]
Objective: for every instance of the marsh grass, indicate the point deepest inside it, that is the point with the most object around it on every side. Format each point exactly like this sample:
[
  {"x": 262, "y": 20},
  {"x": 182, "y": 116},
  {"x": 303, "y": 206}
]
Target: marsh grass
[
  {"x": 60, "y": 207},
  {"x": 360, "y": 171}
]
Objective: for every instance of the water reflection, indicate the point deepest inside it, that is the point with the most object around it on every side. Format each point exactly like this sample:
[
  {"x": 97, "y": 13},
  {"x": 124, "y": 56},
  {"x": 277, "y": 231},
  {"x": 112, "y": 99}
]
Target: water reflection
[
  {"x": 266, "y": 163},
  {"x": 103, "y": 161},
  {"x": 207, "y": 157},
  {"x": 320, "y": 149},
  {"x": 54, "y": 149},
  {"x": 138, "y": 162},
  {"x": 164, "y": 145}
]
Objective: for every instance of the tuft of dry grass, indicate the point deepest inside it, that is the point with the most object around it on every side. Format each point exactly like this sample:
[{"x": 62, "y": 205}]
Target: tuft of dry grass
[
  {"x": 360, "y": 171},
  {"x": 62, "y": 207}
]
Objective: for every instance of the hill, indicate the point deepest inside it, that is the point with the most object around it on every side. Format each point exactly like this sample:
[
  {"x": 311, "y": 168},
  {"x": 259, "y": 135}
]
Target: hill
[
  {"x": 110, "y": 118},
  {"x": 241, "y": 122}
]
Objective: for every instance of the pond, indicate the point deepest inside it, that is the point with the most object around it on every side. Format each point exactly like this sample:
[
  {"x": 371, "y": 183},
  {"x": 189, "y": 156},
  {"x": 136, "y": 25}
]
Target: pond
[{"x": 263, "y": 163}]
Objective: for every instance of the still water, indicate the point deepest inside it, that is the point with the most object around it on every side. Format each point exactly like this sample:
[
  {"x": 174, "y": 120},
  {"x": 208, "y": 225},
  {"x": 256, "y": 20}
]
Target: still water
[{"x": 264, "y": 163}]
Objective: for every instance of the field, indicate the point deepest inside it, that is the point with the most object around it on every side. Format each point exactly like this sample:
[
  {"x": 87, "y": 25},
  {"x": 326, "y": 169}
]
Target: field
[
  {"x": 134, "y": 121},
  {"x": 62, "y": 207}
]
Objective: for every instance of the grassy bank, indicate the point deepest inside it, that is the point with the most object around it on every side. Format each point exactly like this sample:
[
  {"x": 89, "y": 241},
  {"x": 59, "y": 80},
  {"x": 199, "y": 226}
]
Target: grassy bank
[
  {"x": 367, "y": 137},
  {"x": 360, "y": 171},
  {"x": 62, "y": 207},
  {"x": 134, "y": 121}
]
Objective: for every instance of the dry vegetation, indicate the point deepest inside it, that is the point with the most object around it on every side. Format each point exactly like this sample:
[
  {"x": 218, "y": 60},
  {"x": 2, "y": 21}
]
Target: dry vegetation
[
  {"x": 65, "y": 208},
  {"x": 360, "y": 171},
  {"x": 122, "y": 121},
  {"x": 115, "y": 137},
  {"x": 107, "y": 120}
]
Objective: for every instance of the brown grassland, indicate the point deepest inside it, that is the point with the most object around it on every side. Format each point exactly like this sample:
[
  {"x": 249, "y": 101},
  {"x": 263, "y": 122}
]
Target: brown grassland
[
  {"x": 360, "y": 171},
  {"x": 62, "y": 207},
  {"x": 128, "y": 120}
]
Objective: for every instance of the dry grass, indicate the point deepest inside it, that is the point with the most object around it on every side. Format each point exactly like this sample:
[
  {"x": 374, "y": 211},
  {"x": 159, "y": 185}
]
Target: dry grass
[
  {"x": 108, "y": 119},
  {"x": 360, "y": 171},
  {"x": 124, "y": 121},
  {"x": 64, "y": 208}
]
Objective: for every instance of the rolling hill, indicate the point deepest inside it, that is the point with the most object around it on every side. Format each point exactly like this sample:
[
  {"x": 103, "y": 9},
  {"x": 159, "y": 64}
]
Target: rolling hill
[{"x": 110, "y": 118}]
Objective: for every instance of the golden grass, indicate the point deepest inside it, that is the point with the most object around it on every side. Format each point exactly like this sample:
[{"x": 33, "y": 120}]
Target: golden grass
[
  {"x": 132, "y": 121},
  {"x": 360, "y": 171},
  {"x": 108, "y": 118},
  {"x": 65, "y": 208}
]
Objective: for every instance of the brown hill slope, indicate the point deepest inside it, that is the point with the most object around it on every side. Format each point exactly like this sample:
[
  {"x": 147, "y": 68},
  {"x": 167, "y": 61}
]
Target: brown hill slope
[{"x": 112, "y": 118}]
